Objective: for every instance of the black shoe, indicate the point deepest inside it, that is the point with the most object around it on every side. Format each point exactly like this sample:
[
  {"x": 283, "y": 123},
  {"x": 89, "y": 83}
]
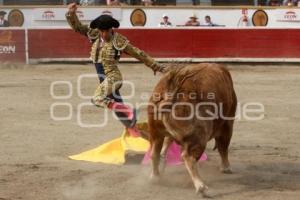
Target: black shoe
[
  {"x": 124, "y": 119},
  {"x": 134, "y": 119}
]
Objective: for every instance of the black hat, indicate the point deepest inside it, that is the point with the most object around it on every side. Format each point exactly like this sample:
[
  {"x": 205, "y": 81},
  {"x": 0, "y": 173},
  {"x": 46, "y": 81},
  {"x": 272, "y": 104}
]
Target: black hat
[
  {"x": 104, "y": 22},
  {"x": 2, "y": 13}
]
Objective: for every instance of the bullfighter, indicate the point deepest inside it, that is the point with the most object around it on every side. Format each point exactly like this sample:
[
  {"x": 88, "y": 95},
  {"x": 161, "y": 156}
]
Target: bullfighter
[{"x": 107, "y": 47}]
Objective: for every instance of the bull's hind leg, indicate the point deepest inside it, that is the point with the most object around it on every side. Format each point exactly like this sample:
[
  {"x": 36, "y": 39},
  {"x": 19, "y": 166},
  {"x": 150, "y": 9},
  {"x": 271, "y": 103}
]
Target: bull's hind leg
[
  {"x": 163, "y": 154},
  {"x": 222, "y": 143},
  {"x": 157, "y": 144},
  {"x": 190, "y": 155}
]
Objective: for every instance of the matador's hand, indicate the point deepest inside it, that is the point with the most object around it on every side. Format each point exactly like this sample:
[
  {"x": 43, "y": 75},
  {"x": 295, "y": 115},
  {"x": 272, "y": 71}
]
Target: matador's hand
[
  {"x": 72, "y": 7},
  {"x": 157, "y": 67}
]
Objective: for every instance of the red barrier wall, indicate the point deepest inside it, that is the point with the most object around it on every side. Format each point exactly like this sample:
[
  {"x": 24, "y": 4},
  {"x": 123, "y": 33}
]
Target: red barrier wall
[
  {"x": 159, "y": 43},
  {"x": 12, "y": 46},
  {"x": 177, "y": 43},
  {"x": 55, "y": 43}
]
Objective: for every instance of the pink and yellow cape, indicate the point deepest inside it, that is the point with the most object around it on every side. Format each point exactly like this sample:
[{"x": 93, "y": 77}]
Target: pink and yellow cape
[{"x": 114, "y": 151}]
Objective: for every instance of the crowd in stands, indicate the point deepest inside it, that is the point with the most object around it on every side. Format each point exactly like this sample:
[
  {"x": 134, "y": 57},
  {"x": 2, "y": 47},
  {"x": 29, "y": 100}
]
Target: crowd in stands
[
  {"x": 282, "y": 3},
  {"x": 193, "y": 21},
  {"x": 155, "y": 2},
  {"x": 151, "y": 2}
]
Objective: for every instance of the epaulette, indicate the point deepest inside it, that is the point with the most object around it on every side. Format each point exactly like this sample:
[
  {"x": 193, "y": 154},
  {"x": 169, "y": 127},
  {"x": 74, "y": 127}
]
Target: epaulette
[{"x": 120, "y": 42}]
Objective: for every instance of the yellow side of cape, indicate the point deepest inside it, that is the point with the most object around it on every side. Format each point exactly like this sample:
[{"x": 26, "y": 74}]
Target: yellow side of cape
[{"x": 114, "y": 151}]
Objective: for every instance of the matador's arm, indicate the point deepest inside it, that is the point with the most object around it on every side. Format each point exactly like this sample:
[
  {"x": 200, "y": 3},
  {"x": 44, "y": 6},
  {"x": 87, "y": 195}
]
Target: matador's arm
[
  {"x": 83, "y": 29},
  {"x": 143, "y": 57}
]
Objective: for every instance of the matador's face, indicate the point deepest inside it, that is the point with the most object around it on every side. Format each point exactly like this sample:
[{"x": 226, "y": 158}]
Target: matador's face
[{"x": 106, "y": 35}]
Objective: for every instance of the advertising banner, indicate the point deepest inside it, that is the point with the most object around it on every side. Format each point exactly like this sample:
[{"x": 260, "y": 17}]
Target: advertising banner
[
  {"x": 85, "y": 14},
  {"x": 12, "y": 46},
  {"x": 288, "y": 15}
]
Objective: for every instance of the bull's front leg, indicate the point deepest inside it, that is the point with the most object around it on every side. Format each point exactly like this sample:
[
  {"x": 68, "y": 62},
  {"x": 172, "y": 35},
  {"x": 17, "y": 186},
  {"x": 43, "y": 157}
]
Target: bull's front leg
[{"x": 192, "y": 167}]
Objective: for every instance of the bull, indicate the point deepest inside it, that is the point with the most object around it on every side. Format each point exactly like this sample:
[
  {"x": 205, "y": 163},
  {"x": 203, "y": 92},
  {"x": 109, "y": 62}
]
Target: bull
[{"x": 192, "y": 105}]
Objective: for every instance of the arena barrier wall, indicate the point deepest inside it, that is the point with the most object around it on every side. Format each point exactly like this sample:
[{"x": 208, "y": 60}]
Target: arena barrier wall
[
  {"x": 181, "y": 44},
  {"x": 13, "y": 45}
]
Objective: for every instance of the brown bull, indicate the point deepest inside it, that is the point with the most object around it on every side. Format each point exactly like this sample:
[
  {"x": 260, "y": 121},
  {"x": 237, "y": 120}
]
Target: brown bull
[{"x": 192, "y": 105}]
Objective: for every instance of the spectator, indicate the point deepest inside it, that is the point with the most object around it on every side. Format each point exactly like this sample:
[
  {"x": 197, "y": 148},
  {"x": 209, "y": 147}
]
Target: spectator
[
  {"x": 113, "y": 2},
  {"x": 3, "y": 22},
  {"x": 193, "y": 21},
  {"x": 290, "y": 2},
  {"x": 273, "y": 3},
  {"x": 196, "y": 2},
  {"x": 244, "y": 21},
  {"x": 165, "y": 22},
  {"x": 147, "y": 2},
  {"x": 87, "y": 2},
  {"x": 208, "y": 21}
]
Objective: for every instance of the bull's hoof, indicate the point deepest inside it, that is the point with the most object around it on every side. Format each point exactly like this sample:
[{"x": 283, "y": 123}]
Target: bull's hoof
[
  {"x": 204, "y": 192},
  {"x": 207, "y": 194},
  {"x": 154, "y": 178},
  {"x": 226, "y": 170}
]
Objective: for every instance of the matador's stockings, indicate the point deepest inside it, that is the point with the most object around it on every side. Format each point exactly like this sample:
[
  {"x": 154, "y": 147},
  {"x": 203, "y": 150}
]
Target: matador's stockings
[{"x": 125, "y": 114}]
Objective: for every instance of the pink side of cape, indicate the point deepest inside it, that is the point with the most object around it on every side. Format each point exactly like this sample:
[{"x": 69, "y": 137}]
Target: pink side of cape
[{"x": 173, "y": 155}]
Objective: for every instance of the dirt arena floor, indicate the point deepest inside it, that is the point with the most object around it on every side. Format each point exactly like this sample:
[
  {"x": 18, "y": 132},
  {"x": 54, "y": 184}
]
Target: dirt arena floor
[{"x": 34, "y": 149}]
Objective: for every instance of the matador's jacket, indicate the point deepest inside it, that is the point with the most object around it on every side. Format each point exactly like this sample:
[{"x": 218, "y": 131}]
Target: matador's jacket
[{"x": 108, "y": 53}]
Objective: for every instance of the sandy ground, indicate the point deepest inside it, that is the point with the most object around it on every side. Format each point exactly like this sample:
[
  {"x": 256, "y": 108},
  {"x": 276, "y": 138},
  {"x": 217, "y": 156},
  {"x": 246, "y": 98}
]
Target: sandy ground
[{"x": 34, "y": 148}]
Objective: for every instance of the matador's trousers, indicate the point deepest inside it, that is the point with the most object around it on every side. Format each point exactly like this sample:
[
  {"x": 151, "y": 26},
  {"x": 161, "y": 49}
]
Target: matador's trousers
[{"x": 113, "y": 93}]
